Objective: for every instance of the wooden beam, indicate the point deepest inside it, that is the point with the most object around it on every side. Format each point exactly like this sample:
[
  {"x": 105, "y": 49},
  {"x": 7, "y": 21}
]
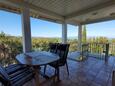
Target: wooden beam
[
  {"x": 21, "y": 3},
  {"x": 90, "y": 9},
  {"x": 49, "y": 19},
  {"x": 38, "y": 9},
  {"x": 9, "y": 8},
  {"x": 99, "y": 20}
]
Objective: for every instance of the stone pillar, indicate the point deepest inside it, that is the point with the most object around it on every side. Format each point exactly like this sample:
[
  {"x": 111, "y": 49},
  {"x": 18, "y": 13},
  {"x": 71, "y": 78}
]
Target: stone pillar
[
  {"x": 64, "y": 33},
  {"x": 26, "y": 30},
  {"x": 79, "y": 37}
]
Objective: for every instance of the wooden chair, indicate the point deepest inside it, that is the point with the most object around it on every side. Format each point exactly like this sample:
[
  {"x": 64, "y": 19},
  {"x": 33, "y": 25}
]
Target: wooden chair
[
  {"x": 62, "y": 51},
  {"x": 15, "y": 75},
  {"x": 113, "y": 78},
  {"x": 52, "y": 49}
]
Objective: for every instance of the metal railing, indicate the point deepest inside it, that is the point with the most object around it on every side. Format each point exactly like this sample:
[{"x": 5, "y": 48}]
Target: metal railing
[
  {"x": 112, "y": 49},
  {"x": 98, "y": 50}
]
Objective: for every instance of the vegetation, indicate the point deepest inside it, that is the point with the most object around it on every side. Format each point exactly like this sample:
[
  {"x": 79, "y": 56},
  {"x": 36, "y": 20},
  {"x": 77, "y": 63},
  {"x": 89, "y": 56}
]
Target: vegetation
[
  {"x": 73, "y": 45},
  {"x": 42, "y": 43},
  {"x": 10, "y": 46}
]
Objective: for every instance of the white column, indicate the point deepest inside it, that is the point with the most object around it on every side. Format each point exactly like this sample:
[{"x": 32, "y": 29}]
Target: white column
[
  {"x": 64, "y": 33},
  {"x": 26, "y": 30},
  {"x": 79, "y": 37}
]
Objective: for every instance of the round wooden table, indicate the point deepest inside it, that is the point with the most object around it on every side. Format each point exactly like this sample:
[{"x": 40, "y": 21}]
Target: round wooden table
[{"x": 37, "y": 59}]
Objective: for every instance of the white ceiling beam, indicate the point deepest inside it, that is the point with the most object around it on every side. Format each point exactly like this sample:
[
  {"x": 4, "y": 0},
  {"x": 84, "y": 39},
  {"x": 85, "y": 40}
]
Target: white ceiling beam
[
  {"x": 20, "y": 4},
  {"x": 48, "y": 19},
  {"x": 90, "y": 9},
  {"x": 99, "y": 20},
  {"x": 72, "y": 22}
]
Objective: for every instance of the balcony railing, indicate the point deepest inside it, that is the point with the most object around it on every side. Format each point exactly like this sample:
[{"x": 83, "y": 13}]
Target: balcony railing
[
  {"x": 112, "y": 49},
  {"x": 98, "y": 50}
]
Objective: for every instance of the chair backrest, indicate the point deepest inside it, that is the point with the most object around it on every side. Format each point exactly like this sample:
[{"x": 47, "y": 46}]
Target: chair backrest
[
  {"x": 62, "y": 51},
  {"x": 52, "y": 47},
  {"x": 4, "y": 78}
]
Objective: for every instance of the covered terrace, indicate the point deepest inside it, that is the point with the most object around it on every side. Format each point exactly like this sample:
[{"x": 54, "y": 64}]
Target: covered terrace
[{"x": 91, "y": 72}]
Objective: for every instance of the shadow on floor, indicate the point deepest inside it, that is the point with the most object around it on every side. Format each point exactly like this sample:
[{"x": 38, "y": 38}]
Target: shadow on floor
[{"x": 92, "y": 72}]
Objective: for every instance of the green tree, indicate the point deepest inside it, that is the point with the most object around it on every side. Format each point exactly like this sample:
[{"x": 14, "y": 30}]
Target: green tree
[
  {"x": 113, "y": 40},
  {"x": 84, "y": 34}
]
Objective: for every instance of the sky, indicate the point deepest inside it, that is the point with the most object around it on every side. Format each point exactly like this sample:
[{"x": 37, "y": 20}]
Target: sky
[{"x": 10, "y": 23}]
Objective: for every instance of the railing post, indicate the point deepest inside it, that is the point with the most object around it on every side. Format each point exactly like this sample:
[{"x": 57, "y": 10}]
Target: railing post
[{"x": 107, "y": 52}]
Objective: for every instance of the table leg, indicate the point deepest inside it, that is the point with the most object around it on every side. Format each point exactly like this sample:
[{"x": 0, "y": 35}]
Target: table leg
[{"x": 37, "y": 69}]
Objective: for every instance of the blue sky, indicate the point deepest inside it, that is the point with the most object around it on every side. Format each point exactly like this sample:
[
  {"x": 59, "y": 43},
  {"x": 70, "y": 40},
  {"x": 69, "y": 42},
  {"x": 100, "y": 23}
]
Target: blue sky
[{"x": 10, "y": 23}]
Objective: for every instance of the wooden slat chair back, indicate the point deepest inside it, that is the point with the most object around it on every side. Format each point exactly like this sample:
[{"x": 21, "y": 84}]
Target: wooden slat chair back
[
  {"x": 52, "y": 47},
  {"x": 15, "y": 75}
]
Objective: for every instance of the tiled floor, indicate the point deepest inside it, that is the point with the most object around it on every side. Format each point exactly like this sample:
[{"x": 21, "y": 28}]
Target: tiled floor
[{"x": 92, "y": 72}]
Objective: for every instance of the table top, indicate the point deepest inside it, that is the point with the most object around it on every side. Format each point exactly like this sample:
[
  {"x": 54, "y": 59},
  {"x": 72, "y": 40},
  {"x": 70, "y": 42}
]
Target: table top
[{"x": 37, "y": 58}]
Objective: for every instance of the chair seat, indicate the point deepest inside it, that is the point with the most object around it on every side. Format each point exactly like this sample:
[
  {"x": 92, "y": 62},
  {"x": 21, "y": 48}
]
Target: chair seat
[
  {"x": 13, "y": 68},
  {"x": 56, "y": 64},
  {"x": 24, "y": 79}
]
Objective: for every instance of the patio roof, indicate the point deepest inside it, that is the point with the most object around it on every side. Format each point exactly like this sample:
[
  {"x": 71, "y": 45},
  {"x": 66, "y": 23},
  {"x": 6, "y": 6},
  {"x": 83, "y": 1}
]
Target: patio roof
[{"x": 72, "y": 11}]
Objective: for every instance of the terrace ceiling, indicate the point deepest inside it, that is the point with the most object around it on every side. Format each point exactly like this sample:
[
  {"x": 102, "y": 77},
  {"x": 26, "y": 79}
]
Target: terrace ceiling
[{"x": 72, "y": 11}]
